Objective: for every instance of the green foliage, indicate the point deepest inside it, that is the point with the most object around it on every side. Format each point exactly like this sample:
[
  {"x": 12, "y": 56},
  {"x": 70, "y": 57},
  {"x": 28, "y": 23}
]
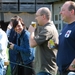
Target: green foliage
[{"x": 8, "y": 70}]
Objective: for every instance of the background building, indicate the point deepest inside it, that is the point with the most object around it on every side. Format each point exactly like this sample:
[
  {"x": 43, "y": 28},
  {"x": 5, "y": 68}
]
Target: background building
[{"x": 27, "y": 8}]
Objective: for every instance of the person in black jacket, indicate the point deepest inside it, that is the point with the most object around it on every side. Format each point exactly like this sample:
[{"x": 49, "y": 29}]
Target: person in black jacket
[{"x": 12, "y": 36}]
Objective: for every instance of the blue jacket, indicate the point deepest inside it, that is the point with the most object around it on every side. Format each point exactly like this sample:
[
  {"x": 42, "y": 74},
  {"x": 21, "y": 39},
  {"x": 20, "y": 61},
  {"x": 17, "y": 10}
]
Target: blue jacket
[
  {"x": 27, "y": 53},
  {"x": 12, "y": 36}
]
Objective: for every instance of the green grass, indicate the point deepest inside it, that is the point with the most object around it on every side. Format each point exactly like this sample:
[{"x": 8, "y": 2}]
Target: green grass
[{"x": 8, "y": 68}]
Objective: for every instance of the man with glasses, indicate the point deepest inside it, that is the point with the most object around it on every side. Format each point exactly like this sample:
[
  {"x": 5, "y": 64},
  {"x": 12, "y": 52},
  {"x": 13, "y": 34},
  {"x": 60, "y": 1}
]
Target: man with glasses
[{"x": 45, "y": 57}]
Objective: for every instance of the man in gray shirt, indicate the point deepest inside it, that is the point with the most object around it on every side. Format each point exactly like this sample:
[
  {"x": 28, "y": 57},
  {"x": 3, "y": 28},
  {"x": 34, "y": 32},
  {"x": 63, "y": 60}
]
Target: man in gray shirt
[{"x": 45, "y": 57}]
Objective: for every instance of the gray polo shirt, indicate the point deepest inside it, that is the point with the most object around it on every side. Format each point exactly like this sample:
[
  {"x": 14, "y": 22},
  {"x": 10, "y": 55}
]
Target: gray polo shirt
[{"x": 45, "y": 58}]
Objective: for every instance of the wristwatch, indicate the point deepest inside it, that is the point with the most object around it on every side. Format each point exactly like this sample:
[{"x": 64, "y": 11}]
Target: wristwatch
[{"x": 73, "y": 65}]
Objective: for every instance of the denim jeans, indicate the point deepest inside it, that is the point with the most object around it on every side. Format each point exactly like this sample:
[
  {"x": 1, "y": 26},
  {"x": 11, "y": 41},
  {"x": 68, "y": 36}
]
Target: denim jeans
[
  {"x": 1, "y": 67},
  {"x": 43, "y": 73}
]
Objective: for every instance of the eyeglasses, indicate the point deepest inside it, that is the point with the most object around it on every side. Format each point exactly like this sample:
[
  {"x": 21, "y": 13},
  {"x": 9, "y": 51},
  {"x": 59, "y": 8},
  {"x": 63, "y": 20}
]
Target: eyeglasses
[{"x": 37, "y": 15}]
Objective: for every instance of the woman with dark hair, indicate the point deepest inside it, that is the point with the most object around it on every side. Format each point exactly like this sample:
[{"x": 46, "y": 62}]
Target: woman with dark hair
[
  {"x": 12, "y": 36},
  {"x": 25, "y": 54}
]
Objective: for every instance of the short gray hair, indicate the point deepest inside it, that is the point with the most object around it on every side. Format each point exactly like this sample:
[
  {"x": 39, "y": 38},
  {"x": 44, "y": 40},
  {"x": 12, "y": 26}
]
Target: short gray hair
[{"x": 45, "y": 11}]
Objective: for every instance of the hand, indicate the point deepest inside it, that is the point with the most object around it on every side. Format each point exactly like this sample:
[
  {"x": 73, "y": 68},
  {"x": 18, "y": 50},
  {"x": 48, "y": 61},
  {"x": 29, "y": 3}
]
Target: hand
[
  {"x": 9, "y": 26},
  {"x": 11, "y": 46},
  {"x": 72, "y": 65},
  {"x": 31, "y": 29}
]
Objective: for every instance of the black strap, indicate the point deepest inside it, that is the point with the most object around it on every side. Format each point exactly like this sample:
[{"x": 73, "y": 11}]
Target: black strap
[
  {"x": 19, "y": 58},
  {"x": 19, "y": 41}
]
